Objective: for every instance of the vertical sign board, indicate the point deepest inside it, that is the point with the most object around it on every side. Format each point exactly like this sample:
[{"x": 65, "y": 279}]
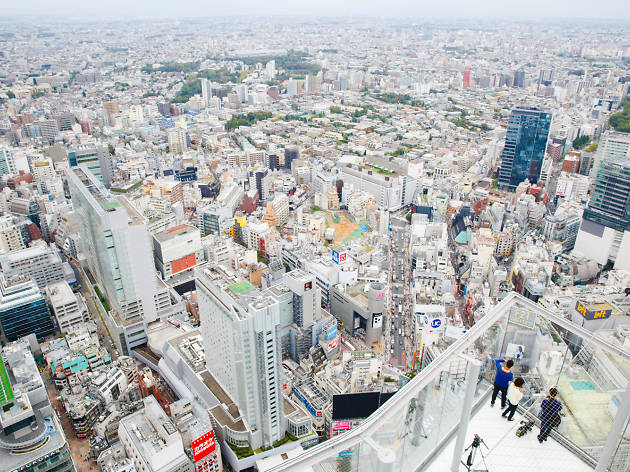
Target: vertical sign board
[
  {"x": 203, "y": 446},
  {"x": 338, "y": 257}
]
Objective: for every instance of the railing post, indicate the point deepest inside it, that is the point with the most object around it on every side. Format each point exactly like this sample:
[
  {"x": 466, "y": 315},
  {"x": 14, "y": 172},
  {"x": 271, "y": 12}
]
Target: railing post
[
  {"x": 616, "y": 430},
  {"x": 474, "y": 367}
]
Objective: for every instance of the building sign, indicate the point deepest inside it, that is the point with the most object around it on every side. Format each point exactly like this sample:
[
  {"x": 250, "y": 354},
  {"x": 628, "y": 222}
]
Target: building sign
[
  {"x": 601, "y": 311},
  {"x": 522, "y": 317},
  {"x": 380, "y": 295},
  {"x": 331, "y": 332},
  {"x": 338, "y": 257},
  {"x": 341, "y": 426},
  {"x": 308, "y": 286},
  {"x": 436, "y": 323},
  {"x": 333, "y": 344},
  {"x": 377, "y": 320},
  {"x": 203, "y": 446},
  {"x": 183, "y": 263}
]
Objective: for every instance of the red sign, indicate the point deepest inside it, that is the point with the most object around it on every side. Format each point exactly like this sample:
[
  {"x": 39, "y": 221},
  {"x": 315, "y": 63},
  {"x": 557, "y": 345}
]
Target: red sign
[
  {"x": 203, "y": 446},
  {"x": 183, "y": 263},
  {"x": 332, "y": 344},
  {"x": 342, "y": 257}
]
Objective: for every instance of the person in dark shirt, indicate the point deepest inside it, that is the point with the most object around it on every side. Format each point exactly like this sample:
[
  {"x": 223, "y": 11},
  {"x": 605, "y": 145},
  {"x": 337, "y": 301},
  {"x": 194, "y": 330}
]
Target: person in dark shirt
[
  {"x": 549, "y": 414},
  {"x": 502, "y": 379}
]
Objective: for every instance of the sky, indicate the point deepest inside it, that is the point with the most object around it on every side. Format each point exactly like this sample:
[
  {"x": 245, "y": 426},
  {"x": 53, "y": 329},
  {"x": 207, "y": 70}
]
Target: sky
[{"x": 126, "y": 9}]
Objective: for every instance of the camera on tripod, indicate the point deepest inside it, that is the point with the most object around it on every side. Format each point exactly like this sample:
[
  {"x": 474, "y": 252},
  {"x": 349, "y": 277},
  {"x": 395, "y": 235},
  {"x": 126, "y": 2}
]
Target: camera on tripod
[{"x": 473, "y": 448}]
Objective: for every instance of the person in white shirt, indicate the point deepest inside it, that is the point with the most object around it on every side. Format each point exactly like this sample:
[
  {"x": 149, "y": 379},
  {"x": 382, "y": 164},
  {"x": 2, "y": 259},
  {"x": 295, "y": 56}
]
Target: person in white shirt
[{"x": 514, "y": 395}]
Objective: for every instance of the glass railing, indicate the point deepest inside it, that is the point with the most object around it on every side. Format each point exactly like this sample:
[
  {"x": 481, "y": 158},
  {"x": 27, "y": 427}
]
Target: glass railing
[{"x": 590, "y": 371}]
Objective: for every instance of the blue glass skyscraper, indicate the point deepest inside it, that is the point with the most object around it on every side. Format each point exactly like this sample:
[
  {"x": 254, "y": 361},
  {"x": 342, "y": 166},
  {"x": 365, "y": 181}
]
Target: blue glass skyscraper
[{"x": 525, "y": 146}]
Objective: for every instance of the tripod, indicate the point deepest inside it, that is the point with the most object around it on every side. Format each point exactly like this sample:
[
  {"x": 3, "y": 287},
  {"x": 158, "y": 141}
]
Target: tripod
[{"x": 473, "y": 448}]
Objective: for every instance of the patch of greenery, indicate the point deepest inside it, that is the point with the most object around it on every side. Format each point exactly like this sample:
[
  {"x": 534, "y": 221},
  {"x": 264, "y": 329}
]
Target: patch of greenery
[
  {"x": 591, "y": 148},
  {"x": 581, "y": 141},
  {"x": 172, "y": 67},
  {"x": 336, "y": 109},
  {"x": 620, "y": 121},
  {"x": 246, "y": 120},
  {"x": 102, "y": 298},
  {"x": 401, "y": 98},
  {"x": 221, "y": 76},
  {"x": 241, "y": 452},
  {"x": 192, "y": 86}
]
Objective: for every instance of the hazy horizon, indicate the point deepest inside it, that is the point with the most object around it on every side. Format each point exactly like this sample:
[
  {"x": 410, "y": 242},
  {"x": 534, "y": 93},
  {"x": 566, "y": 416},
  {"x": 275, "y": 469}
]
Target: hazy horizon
[{"x": 456, "y": 9}]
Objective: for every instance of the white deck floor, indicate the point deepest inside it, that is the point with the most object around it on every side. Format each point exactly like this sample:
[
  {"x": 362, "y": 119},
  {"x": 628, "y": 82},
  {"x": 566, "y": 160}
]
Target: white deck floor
[{"x": 506, "y": 451}]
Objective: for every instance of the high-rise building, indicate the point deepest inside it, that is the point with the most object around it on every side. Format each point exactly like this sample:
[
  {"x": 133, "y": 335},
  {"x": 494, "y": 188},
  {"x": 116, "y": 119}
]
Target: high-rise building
[
  {"x": 605, "y": 231},
  {"x": 10, "y": 236},
  {"x": 6, "y": 162},
  {"x": 240, "y": 327},
  {"x": 466, "y": 78},
  {"x": 31, "y": 436},
  {"x": 41, "y": 263},
  {"x": 525, "y": 145},
  {"x": 206, "y": 91},
  {"x": 164, "y": 108},
  {"x": 117, "y": 245},
  {"x": 177, "y": 140},
  {"x": 290, "y": 154},
  {"x": 23, "y": 309},
  {"x": 611, "y": 144},
  {"x": 519, "y": 79},
  {"x": 96, "y": 158}
]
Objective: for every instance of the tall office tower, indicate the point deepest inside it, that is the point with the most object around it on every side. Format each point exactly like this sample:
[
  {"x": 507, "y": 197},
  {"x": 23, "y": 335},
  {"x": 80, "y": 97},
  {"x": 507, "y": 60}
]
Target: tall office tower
[
  {"x": 206, "y": 91},
  {"x": 117, "y": 245},
  {"x": 611, "y": 144},
  {"x": 177, "y": 140},
  {"x": 292, "y": 87},
  {"x": 96, "y": 158},
  {"x": 31, "y": 435},
  {"x": 112, "y": 109},
  {"x": 545, "y": 77},
  {"x": 240, "y": 326},
  {"x": 466, "y": 78},
  {"x": 164, "y": 108},
  {"x": 605, "y": 231},
  {"x": 290, "y": 154},
  {"x": 270, "y": 69},
  {"x": 23, "y": 308},
  {"x": 519, "y": 78},
  {"x": 7, "y": 166},
  {"x": 525, "y": 145}
]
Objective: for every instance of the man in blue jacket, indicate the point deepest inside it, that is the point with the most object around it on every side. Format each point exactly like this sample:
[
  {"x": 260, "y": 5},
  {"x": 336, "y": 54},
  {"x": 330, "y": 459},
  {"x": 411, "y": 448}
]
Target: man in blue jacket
[
  {"x": 501, "y": 380},
  {"x": 549, "y": 414}
]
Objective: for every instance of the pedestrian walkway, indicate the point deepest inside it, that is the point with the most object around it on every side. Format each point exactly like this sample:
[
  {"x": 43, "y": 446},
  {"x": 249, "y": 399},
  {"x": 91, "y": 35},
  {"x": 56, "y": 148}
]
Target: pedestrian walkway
[{"x": 506, "y": 451}]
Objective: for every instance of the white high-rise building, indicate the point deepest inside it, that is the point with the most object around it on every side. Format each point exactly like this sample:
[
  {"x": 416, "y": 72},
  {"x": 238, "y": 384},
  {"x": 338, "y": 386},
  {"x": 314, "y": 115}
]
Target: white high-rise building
[
  {"x": 611, "y": 144},
  {"x": 177, "y": 140},
  {"x": 206, "y": 91},
  {"x": 240, "y": 326},
  {"x": 117, "y": 246}
]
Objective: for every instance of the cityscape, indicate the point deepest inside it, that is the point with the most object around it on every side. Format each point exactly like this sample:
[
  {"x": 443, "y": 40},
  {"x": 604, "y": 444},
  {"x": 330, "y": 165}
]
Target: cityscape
[{"x": 314, "y": 244}]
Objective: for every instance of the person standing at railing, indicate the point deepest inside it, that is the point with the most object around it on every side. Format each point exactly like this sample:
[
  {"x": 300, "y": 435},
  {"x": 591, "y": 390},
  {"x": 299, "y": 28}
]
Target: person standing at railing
[
  {"x": 514, "y": 396},
  {"x": 502, "y": 379},
  {"x": 549, "y": 414}
]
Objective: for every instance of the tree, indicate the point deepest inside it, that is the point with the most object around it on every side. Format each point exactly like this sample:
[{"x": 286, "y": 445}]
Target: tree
[{"x": 581, "y": 141}]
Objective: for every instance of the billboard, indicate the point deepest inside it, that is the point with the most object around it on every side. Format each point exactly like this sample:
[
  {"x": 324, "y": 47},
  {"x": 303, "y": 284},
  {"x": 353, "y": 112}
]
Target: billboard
[
  {"x": 202, "y": 446},
  {"x": 333, "y": 344},
  {"x": 522, "y": 317},
  {"x": 183, "y": 263},
  {"x": 601, "y": 311},
  {"x": 379, "y": 295},
  {"x": 331, "y": 332},
  {"x": 339, "y": 257},
  {"x": 377, "y": 320}
]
